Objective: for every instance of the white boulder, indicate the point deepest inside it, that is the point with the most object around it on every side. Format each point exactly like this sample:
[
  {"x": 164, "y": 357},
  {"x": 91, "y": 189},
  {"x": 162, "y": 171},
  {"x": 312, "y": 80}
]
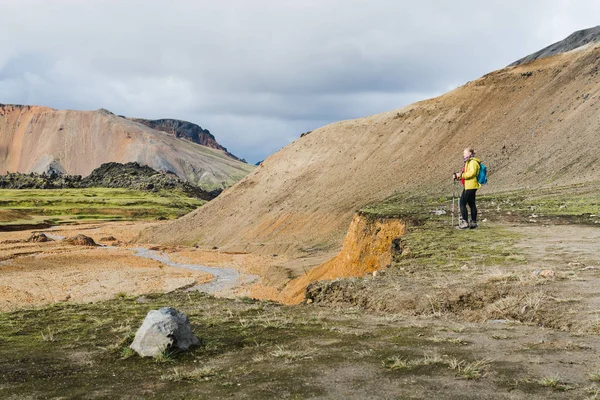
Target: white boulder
[{"x": 163, "y": 329}]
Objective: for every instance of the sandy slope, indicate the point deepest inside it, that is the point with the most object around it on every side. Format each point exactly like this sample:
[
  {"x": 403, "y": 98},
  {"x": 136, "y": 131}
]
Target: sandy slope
[
  {"x": 33, "y": 138},
  {"x": 534, "y": 125}
]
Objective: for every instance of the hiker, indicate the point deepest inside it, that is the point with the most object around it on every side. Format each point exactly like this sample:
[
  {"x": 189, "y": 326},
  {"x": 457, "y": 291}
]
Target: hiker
[{"x": 468, "y": 177}]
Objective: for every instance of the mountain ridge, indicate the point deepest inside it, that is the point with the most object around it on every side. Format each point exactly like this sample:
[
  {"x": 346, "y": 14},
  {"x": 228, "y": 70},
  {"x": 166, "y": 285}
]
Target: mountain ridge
[
  {"x": 40, "y": 139},
  {"x": 573, "y": 41},
  {"x": 185, "y": 130}
]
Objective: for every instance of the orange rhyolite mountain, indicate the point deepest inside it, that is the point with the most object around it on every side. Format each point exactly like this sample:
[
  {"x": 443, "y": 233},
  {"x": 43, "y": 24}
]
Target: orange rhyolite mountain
[{"x": 39, "y": 139}]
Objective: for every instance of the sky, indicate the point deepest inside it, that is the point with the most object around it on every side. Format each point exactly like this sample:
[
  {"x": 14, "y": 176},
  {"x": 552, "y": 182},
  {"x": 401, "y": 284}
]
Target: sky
[{"x": 258, "y": 73}]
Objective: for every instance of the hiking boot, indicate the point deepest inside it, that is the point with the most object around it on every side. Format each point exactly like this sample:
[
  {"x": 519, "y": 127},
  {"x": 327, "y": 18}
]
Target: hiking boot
[
  {"x": 473, "y": 225},
  {"x": 463, "y": 224}
]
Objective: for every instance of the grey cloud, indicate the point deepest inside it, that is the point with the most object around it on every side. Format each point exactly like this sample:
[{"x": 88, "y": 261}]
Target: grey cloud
[{"x": 258, "y": 73}]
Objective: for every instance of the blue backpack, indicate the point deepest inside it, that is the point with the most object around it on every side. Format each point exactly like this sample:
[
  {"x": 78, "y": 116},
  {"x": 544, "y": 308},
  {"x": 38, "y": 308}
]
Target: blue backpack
[{"x": 482, "y": 175}]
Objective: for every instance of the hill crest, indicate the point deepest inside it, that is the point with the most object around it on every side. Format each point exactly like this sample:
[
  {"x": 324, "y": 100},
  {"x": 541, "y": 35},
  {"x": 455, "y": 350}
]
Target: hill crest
[
  {"x": 534, "y": 125},
  {"x": 573, "y": 41}
]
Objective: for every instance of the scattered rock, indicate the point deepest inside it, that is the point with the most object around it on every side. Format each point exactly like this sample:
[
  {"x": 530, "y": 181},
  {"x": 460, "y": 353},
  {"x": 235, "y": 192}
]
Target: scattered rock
[
  {"x": 575, "y": 264},
  {"x": 396, "y": 247},
  {"x": 81, "y": 240},
  {"x": 438, "y": 212},
  {"x": 162, "y": 330},
  {"x": 110, "y": 175},
  {"x": 38, "y": 237},
  {"x": 108, "y": 239},
  {"x": 547, "y": 273}
]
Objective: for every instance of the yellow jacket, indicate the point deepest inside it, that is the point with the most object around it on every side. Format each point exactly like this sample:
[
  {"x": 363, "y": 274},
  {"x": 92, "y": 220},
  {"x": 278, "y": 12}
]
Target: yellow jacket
[{"x": 470, "y": 172}]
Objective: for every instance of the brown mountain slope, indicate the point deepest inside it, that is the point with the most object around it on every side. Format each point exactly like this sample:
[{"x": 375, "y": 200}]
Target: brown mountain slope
[
  {"x": 534, "y": 124},
  {"x": 36, "y": 139}
]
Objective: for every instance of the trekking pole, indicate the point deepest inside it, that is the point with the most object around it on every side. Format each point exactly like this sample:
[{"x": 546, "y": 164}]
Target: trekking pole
[{"x": 453, "y": 196}]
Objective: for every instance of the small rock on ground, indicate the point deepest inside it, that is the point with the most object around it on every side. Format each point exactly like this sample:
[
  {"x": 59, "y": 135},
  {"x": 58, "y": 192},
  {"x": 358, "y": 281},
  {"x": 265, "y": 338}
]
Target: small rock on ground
[
  {"x": 81, "y": 240},
  {"x": 108, "y": 239},
  {"x": 38, "y": 237}
]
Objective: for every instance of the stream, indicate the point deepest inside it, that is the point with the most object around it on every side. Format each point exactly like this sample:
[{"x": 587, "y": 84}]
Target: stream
[{"x": 223, "y": 278}]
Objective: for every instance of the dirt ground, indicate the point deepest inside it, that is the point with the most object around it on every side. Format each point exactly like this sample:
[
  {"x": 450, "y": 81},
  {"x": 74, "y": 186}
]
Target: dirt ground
[
  {"x": 511, "y": 347},
  {"x": 34, "y": 274},
  {"x": 260, "y": 350}
]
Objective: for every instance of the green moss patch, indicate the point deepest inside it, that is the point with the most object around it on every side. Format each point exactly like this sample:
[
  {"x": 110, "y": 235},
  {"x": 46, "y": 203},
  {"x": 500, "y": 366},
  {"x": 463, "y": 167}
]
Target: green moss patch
[{"x": 69, "y": 205}]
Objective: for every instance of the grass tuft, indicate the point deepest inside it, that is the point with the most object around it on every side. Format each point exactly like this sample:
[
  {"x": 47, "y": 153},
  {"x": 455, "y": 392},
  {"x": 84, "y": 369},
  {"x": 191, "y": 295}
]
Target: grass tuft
[
  {"x": 291, "y": 355},
  {"x": 196, "y": 375},
  {"x": 398, "y": 362},
  {"x": 469, "y": 370},
  {"x": 166, "y": 357},
  {"x": 48, "y": 336},
  {"x": 554, "y": 382}
]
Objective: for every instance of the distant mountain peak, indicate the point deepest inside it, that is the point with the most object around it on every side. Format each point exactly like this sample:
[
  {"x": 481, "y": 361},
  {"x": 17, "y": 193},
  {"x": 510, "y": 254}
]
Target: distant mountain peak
[
  {"x": 185, "y": 130},
  {"x": 571, "y": 42},
  {"x": 105, "y": 111}
]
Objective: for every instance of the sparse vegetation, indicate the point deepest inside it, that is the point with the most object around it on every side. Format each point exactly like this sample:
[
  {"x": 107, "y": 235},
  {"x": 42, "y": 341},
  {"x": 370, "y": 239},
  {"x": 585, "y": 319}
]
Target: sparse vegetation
[
  {"x": 554, "y": 382},
  {"x": 91, "y": 343},
  {"x": 476, "y": 275},
  {"x": 465, "y": 369},
  {"x": 48, "y": 335},
  {"x": 398, "y": 362},
  {"x": 166, "y": 357},
  {"x": 291, "y": 355},
  {"x": 194, "y": 375},
  {"x": 469, "y": 370}
]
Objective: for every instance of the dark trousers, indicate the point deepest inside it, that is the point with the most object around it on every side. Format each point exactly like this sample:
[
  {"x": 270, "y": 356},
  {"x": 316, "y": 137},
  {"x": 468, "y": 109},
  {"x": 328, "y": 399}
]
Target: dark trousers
[{"x": 468, "y": 198}]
